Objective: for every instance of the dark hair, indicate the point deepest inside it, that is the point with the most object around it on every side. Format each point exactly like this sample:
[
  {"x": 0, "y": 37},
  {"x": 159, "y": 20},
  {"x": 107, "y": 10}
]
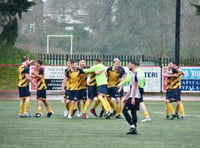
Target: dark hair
[
  {"x": 39, "y": 61},
  {"x": 25, "y": 58},
  {"x": 174, "y": 62},
  {"x": 73, "y": 61},
  {"x": 98, "y": 60},
  {"x": 134, "y": 62}
]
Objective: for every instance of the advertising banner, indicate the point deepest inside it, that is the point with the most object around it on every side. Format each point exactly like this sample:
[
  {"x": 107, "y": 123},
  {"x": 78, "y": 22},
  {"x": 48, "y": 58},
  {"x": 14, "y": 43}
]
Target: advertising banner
[
  {"x": 54, "y": 76},
  {"x": 190, "y": 80},
  {"x": 152, "y": 77}
]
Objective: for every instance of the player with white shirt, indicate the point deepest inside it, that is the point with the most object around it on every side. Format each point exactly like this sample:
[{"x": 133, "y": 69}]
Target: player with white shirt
[{"x": 132, "y": 101}]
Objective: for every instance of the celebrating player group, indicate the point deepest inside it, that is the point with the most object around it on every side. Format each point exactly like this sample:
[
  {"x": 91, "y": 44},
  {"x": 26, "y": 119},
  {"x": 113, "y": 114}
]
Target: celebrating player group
[{"x": 118, "y": 90}]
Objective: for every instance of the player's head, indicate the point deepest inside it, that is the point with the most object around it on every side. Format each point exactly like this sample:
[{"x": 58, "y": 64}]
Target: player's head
[
  {"x": 82, "y": 63},
  {"x": 116, "y": 62},
  {"x": 74, "y": 64},
  {"x": 132, "y": 65},
  {"x": 38, "y": 63},
  {"x": 97, "y": 61},
  {"x": 174, "y": 64},
  {"x": 170, "y": 65},
  {"x": 68, "y": 63},
  {"x": 25, "y": 60}
]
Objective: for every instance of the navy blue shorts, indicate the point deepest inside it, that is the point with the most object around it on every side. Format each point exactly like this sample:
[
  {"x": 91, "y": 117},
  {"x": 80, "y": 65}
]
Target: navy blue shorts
[
  {"x": 176, "y": 94},
  {"x": 71, "y": 95},
  {"x": 173, "y": 95},
  {"x": 92, "y": 92},
  {"x": 103, "y": 89},
  {"x": 141, "y": 93},
  {"x": 24, "y": 92},
  {"x": 82, "y": 94},
  {"x": 169, "y": 95},
  {"x": 113, "y": 92},
  {"x": 41, "y": 94}
]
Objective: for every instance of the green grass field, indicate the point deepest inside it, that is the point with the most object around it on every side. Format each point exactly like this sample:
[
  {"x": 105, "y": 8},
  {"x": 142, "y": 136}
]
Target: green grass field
[{"x": 59, "y": 132}]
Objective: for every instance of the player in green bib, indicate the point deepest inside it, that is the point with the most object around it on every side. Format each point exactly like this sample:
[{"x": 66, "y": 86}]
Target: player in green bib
[{"x": 101, "y": 81}]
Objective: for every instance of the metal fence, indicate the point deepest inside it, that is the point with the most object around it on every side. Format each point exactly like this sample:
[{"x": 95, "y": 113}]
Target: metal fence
[{"x": 60, "y": 59}]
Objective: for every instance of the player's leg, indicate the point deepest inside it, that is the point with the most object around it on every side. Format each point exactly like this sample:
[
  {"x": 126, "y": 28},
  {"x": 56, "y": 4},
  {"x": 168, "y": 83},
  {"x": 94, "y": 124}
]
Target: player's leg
[
  {"x": 145, "y": 112},
  {"x": 40, "y": 97},
  {"x": 78, "y": 102},
  {"x": 131, "y": 120},
  {"x": 72, "y": 97},
  {"x": 27, "y": 102},
  {"x": 72, "y": 104},
  {"x": 21, "y": 107},
  {"x": 48, "y": 108},
  {"x": 119, "y": 104},
  {"x": 169, "y": 106},
  {"x": 92, "y": 93},
  {"x": 112, "y": 94},
  {"x": 126, "y": 113},
  {"x": 179, "y": 103},
  {"x": 85, "y": 109},
  {"x": 67, "y": 103},
  {"x": 106, "y": 105},
  {"x": 102, "y": 96},
  {"x": 118, "y": 108},
  {"x": 143, "y": 106},
  {"x": 24, "y": 94},
  {"x": 39, "y": 108}
]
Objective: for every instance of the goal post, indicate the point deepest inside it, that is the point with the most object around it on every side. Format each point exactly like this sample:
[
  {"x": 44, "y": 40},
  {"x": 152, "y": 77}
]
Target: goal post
[{"x": 61, "y": 36}]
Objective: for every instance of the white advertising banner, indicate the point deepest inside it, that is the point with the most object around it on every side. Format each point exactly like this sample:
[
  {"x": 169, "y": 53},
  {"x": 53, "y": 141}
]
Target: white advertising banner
[
  {"x": 54, "y": 76},
  {"x": 153, "y": 78}
]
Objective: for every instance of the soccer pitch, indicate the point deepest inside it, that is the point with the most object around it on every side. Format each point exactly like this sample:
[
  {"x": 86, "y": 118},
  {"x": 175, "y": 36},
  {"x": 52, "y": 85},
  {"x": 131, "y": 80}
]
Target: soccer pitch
[{"x": 59, "y": 132}]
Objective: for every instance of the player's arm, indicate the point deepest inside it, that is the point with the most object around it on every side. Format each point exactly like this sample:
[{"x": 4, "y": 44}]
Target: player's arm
[
  {"x": 99, "y": 71},
  {"x": 126, "y": 80},
  {"x": 37, "y": 75},
  {"x": 31, "y": 61},
  {"x": 180, "y": 71},
  {"x": 167, "y": 74},
  {"x": 28, "y": 77},
  {"x": 91, "y": 69},
  {"x": 64, "y": 82},
  {"x": 122, "y": 75},
  {"x": 124, "y": 98}
]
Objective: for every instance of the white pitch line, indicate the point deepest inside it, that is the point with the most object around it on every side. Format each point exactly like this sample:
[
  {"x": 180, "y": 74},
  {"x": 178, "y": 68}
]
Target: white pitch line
[{"x": 198, "y": 116}]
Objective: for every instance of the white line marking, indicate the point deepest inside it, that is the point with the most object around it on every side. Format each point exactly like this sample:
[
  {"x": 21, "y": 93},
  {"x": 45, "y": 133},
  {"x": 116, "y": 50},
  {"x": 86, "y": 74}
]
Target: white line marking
[{"x": 190, "y": 115}]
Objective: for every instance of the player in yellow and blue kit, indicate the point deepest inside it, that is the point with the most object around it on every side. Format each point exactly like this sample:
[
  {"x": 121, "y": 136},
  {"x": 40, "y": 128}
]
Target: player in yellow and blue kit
[
  {"x": 115, "y": 75},
  {"x": 41, "y": 90},
  {"x": 82, "y": 88},
  {"x": 174, "y": 90},
  {"x": 23, "y": 86},
  {"x": 92, "y": 93},
  {"x": 71, "y": 85}
]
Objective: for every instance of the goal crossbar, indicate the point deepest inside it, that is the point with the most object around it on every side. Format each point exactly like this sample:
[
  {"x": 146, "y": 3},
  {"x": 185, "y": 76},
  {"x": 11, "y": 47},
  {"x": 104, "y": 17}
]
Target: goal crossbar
[{"x": 60, "y": 36}]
